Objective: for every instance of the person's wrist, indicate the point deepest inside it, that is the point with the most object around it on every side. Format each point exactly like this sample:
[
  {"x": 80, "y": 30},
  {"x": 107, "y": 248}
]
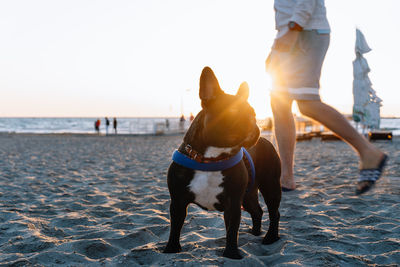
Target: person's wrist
[{"x": 293, "y": 26}]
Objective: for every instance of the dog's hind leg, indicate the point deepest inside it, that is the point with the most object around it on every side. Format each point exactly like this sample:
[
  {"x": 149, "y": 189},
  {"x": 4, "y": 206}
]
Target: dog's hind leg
[
  {"x": 270, "y": 187},
  {"x": 178, "y": 211},
  {"x": 252, "y": 206},
  {"x": 273, "y": 202}
]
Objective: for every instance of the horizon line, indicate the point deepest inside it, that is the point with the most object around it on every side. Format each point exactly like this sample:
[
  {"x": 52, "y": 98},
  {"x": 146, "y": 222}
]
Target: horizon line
[{"x": 144, "y": 117}]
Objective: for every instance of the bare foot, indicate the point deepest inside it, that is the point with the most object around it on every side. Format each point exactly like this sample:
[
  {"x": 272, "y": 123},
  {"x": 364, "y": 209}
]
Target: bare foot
[{"x": 288, "y": 183}]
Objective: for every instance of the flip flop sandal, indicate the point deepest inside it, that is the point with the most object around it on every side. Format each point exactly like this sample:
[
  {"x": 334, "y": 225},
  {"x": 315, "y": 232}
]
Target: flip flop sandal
[{"x": 368, "y": 177}]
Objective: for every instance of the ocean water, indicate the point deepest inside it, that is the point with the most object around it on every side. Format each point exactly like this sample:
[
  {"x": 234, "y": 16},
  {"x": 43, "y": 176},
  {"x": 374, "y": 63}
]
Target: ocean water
[
  {"x": 86, "y": 125},
  {"x": 137, "y": 126}
]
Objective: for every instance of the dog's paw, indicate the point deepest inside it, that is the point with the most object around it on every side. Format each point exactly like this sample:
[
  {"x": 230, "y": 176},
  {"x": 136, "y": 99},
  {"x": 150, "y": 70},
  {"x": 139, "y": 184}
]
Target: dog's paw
[
  {"x": 172, "y": 248},
  {"x": 269, "y": 239},
  {"x": 232, "y": 254},
  {"x": 256, "y": 232}
]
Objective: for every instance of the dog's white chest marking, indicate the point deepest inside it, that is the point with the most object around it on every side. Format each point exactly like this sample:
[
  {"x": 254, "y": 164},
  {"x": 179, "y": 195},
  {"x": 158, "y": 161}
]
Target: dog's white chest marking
[{"x": 206, "y": 187}]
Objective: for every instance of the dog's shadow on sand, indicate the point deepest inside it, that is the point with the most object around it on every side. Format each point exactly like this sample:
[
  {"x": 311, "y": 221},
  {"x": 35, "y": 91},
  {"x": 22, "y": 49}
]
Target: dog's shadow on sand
[{"x": 208, "y": 251}]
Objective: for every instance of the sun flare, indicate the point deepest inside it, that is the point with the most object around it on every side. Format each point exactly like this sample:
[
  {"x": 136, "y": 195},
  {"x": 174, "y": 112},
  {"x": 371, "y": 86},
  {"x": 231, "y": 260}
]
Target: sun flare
[{"x": 259, "y": 96}]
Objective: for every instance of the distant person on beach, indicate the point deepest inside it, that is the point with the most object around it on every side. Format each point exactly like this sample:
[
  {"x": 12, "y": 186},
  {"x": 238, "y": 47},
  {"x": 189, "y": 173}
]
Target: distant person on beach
[
  {"x": 167, "y": 124},
  {"x": 107, "y": 125},
  {"x": 115, "y": 125},
  {"x": 295, "y": 63},
  {"x": 97, "y": 126},
  {"x": 191, "y": 117},
  {"x": 182, "y": 123}
]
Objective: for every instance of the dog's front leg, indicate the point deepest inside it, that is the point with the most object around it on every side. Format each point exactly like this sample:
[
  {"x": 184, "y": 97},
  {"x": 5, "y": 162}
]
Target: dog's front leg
[
  {"x": 178, "y": 211},
  {"x": 232, "y": 215}
]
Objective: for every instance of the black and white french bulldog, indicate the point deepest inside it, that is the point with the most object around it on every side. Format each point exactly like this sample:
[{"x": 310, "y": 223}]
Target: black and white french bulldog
[{"x": 225, "y": 125}]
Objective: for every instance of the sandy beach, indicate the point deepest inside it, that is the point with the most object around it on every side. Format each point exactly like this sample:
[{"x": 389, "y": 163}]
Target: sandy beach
[{"x": 76, "y": 200}]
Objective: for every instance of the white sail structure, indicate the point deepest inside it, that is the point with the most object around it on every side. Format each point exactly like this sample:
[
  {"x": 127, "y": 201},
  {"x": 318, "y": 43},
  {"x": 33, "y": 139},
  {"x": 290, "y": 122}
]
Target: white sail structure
[{"x": 366, "y": 108}]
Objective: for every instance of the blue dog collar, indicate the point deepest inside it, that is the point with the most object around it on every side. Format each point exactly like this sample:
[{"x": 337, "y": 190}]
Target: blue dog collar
[{"x": 187, "y": 162}]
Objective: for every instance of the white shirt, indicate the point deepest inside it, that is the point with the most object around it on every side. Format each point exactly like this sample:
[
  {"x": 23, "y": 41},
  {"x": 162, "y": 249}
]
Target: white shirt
[{"x": 309, "y": 14}]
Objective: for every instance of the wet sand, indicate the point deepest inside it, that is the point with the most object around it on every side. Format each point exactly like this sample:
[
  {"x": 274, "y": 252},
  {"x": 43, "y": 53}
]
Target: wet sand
[{"x": 71, "y": 200}]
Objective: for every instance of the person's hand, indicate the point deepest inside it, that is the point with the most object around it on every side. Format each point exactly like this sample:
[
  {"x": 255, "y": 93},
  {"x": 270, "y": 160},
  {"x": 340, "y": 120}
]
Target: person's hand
[{"x": 286, "y": 42}]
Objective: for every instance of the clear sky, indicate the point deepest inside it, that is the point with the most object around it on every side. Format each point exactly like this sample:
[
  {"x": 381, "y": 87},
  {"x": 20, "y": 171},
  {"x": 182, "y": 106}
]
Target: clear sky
[{"x": 80, "y": 58}]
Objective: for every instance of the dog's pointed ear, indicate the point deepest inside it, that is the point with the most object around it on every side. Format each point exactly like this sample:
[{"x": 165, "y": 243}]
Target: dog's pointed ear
[
  {"x": 209, "y": 86},
  {"x": 243, "y": 91}
]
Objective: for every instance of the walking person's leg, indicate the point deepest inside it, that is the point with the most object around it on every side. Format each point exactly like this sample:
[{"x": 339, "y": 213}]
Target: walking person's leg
[
  {"x": 370, "y": 156},
  {"x": 287, "y": 65},
  {"x": 285, "y": 133}
]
